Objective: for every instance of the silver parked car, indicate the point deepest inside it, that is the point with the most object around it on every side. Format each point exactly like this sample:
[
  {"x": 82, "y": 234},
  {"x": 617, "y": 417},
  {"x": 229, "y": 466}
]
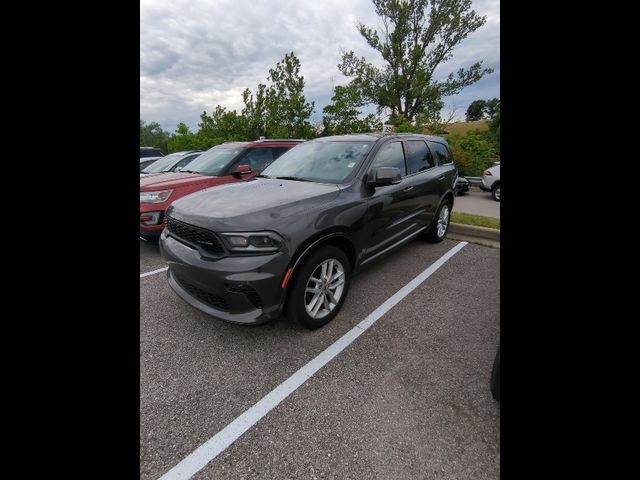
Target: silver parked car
[
  {"x": 148, "y": 155},
  {"x": 491, "y": 182},
  {"x": 174, "y": 162}
]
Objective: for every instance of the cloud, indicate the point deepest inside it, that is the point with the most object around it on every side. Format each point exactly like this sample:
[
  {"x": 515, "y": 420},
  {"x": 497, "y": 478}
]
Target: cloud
[{"x": 197, "y": 54}]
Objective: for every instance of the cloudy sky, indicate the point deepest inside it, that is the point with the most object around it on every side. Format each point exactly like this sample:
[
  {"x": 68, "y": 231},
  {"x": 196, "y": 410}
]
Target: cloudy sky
[{"x": 196, "y": 54}]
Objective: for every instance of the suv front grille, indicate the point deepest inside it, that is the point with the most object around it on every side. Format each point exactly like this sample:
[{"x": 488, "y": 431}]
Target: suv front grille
[
  {"x": 211, "y": 299},
  {"x": 201, "y": 237}
]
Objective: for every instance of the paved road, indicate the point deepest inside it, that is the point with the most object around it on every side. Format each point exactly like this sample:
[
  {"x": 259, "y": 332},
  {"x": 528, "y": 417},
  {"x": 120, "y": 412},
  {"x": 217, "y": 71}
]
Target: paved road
[
  {"x": 408, "y": 399},
  {"x": 478, "y": 202}
]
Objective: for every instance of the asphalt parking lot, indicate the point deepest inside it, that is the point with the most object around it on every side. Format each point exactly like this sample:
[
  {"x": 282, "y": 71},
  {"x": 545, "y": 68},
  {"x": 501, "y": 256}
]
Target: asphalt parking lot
[
  {"x": 477, "y": 202},
  {"x": 407, "y": 399}
]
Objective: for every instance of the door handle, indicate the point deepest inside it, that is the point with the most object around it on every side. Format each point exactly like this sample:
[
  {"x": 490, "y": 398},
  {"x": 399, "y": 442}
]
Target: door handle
[
  {"x": 441, "y": 177},
  {"x": 408, "y": 189}
]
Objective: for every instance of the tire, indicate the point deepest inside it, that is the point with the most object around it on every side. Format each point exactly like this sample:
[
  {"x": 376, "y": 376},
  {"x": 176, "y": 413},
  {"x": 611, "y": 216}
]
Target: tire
[
  {"x": 495, "y": 193},
  {"x": 495, "y": 377},
  {"x": 300, "y": 303},
  {"x": 435, "y": 234}
]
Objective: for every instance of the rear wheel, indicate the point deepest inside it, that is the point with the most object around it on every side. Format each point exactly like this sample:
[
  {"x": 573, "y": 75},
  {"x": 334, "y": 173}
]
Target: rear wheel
[
  {"x": 320, "y": 288},
  {"x": 440, "y": 225},
  {"x": 495, "y": 193}
]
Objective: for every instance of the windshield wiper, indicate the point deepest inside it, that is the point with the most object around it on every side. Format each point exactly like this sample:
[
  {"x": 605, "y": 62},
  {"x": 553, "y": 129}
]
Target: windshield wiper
[
  {"x": 187, "y": 171},
  {"x": 299, "y": 179},
  {"x": 263, "y": 176}
]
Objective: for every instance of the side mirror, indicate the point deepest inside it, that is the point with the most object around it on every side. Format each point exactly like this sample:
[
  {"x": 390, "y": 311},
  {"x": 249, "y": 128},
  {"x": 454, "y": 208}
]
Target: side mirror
[
  {"x": 241, "y": 170},
  {"x": 383, "y": 176}
]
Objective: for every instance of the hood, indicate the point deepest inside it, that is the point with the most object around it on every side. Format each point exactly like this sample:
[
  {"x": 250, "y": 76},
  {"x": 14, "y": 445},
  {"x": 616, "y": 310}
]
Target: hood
[
  {"x": 258, "y": 204},
  {"x": 165, "y": 181},
  {"x": 143, "y": 174}
]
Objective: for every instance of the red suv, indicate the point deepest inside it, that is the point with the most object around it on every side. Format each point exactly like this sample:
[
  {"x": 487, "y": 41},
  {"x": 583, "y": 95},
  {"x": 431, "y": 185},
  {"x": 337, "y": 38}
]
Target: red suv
[{"x": 225, "y": 163}]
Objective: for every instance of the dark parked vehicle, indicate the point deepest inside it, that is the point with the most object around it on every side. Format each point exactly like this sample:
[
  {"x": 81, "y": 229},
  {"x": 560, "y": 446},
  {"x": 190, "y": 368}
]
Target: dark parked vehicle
[
  {"x": 173, "y": 162},
  {"x": 146, "y": 152},
  {"x": 462, "y": 186},
  {"x": 148, "y": 155},
  {"x": 289, "y": 240}
]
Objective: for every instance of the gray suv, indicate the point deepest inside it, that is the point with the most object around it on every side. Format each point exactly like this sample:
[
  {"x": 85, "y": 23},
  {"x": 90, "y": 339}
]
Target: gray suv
[{"x": 289, "y": 240}]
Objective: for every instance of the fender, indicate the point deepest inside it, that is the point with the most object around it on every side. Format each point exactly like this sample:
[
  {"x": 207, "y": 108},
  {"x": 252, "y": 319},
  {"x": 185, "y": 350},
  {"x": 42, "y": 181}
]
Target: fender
[{"x": 302, "y": 255}]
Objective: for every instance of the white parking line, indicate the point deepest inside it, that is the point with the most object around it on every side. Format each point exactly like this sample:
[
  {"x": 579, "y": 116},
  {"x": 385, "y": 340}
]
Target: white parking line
[
  {"x": 209, "y": 450},
  {"x": 153, "y": 272}
]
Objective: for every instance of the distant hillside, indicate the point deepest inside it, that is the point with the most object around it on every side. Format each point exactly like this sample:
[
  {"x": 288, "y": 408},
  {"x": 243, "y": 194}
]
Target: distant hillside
[{"x": 460, "y": 128}]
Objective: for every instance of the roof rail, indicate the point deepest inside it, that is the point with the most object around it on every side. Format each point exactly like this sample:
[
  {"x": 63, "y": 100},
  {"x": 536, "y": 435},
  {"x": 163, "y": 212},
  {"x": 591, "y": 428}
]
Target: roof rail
[{"x": 280, "y": 140}]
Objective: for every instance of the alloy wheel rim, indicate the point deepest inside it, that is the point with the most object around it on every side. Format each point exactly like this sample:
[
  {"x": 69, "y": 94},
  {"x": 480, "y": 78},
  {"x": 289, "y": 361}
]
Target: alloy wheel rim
[
  {"x": 498, "y": 193},
  {"x": 324, "y": 288},
  {"x": 443, "y": 221}
]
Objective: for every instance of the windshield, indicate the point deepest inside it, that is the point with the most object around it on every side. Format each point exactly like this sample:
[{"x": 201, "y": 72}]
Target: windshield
[
  {"x": 322, "y": 162},
  {"x": 214, "y": 160},
  {"x": 162, "y": 164}
]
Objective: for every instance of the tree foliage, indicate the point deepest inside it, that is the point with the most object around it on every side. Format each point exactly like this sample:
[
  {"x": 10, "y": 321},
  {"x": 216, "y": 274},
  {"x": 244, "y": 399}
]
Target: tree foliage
[
  {"x": 151, "y": 135},
  {"x": 182, "y": 139},
  {"x": 221, "y": 126},
  {"x": 476, "y": 109},
  {"x": 492, "y": 107},
  {"x": 280, "y": 109},
  {"x": 494, "y": 126},
  {"x": 473, "y": 152},
  {"x": 288, "y": 109},
  {"x": 417, "y": 37},
  {"x": 479, "y": 109},
  {"x": 344, "y": 116}
]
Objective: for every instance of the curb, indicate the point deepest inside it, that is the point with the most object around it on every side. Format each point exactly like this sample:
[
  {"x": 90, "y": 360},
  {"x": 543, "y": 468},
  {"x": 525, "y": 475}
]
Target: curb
[{"x": 489, "y": 237}]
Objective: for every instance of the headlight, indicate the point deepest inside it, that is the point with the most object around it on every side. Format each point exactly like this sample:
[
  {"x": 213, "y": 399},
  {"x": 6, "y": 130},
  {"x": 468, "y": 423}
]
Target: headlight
[
  {"x": 155, "y": 197},
  {"x": 248, "y": 242}
]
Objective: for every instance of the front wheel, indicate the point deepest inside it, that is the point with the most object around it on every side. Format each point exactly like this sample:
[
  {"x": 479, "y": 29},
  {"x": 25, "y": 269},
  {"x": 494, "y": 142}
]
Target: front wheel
[
  {"x": 440, "y": 226},
  {"x": 320, "y": 288},
  {"x": 495, "y": 193}
]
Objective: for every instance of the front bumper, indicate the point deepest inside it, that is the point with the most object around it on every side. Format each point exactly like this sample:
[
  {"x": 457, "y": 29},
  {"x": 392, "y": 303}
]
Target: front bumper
[{"x": 236, "y": 289}]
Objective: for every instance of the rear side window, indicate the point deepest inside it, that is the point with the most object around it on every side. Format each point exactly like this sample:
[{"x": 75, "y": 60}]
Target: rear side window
[
  {"x": 258, "y": 158},
  {"x": 441, "y": 152},
  {"x": 418, "y": 156},
  {"x": 185, "y": 161},
  {"x": 391, "y": 155}
]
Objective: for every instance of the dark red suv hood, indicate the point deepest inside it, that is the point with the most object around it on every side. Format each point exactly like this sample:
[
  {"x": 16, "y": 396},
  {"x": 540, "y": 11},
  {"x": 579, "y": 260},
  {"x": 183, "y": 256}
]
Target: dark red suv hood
[{"x": 175, "y": 180}]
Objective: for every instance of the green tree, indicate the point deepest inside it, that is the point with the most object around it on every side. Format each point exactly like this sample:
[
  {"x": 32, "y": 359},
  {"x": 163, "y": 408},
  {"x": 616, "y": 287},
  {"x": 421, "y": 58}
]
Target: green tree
[
  {"x": 288, "y": 111},
  {"x": 182, "y": 139},
  {"x": 255, "y": 112},
  {"x": 473, "y": 152},
  {"x": 221, "y": 126},
  {"x": 476, "y": 110},
  {"x": 494, "y": 128},
  {"x": 343, "y": 115},
  {"x": 280, "y": 109},
  {"x": 492, "y": 107},
  {"x": 418, "y": 36},
  {"x": 151, "y": 135}
]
